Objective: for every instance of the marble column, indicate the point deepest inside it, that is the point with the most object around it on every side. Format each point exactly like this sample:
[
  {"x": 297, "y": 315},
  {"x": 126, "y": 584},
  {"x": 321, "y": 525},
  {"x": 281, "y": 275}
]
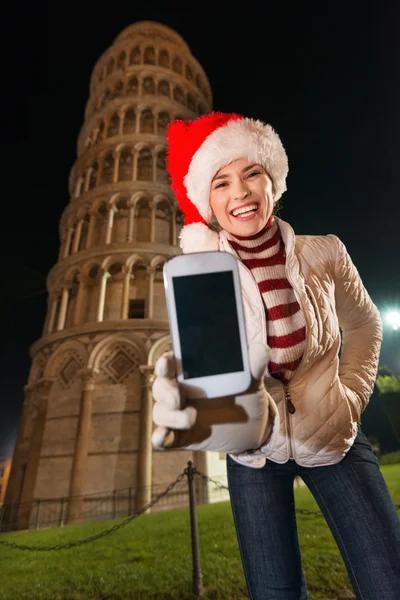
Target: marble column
[
  {"x": 126, "y": 271},
  {"x": 102, "y": 297},
  {"x": 131, "y": 221},
  {"x": 67, "y": 242},
  {"x": 51, "y": 313},
  {"x": 77, "y": 237},
  {"x": 82, "y": 445},
  {"x": 63, "y": 308},
  {"x": 151, "y": 273},
  {"x": 135, "y": 164},
  {"x": 116, "y": 156},
  {"x": 111, "y": 211},
  {"x": 145, "y": 450},
  {"x": 153, "y": 208}
]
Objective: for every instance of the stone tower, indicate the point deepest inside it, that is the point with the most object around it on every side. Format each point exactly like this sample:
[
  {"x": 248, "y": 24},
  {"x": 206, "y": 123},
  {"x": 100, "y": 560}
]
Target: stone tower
[{"x": 86, "y": 421}]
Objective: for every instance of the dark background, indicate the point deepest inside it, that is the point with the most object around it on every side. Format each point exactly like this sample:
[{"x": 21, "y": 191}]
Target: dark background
[{"x": 326, "y": 78}]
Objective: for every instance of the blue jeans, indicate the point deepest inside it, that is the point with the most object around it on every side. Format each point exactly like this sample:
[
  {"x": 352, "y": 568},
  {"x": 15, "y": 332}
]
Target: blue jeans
[{"x": 356, "y": 504}]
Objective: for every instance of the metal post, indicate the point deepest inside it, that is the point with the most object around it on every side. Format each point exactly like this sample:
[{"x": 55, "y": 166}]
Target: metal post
[
  {"x": 130, "y": 502},
  {"x": 114, "y": 512},
  {"x": 197, "y": 575},
  {"x": 62, "y": 515},
  {"x": 37, "y": 514}
]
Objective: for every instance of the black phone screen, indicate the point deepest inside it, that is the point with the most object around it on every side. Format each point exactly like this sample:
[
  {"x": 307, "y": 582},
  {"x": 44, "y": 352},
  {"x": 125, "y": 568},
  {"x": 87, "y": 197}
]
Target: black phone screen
[{"x": 208, "y": 324}]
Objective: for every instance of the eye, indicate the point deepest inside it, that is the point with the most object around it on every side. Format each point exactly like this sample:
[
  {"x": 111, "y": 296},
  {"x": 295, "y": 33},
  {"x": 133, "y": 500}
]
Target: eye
[
  {"x": 252, "y": 173},
  {"x": 220, "y": 185}
]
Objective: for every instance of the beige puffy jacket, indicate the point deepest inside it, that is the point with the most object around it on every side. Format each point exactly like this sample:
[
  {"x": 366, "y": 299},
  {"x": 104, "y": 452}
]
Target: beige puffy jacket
[{"x": 319, "y": 409}]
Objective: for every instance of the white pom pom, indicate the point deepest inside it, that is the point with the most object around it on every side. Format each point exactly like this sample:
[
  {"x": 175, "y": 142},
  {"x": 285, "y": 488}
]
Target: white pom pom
[{"x": 197, "y": 237}]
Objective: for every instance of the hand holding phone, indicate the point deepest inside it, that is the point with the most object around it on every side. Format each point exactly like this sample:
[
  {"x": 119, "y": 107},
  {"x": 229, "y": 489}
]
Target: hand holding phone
[
  {"x": 232, "y": 424},
  {"x": 209, "y": 392}
]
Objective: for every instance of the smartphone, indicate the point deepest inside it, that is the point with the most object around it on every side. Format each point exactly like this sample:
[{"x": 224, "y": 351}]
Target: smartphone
[{"x": 205, "y": 311}]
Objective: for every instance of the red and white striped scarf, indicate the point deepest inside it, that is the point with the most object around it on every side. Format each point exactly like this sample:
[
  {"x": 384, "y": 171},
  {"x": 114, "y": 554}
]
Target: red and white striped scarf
[{"x": 264, "y": 255}]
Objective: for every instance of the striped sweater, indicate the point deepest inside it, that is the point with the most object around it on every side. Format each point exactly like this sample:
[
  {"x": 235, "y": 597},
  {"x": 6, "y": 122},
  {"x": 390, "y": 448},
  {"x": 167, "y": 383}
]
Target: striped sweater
[{"x": 264, "y": 255}]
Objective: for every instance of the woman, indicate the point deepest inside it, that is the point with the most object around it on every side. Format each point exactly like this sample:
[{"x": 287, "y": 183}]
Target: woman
[{"x": 297, "y": 292}]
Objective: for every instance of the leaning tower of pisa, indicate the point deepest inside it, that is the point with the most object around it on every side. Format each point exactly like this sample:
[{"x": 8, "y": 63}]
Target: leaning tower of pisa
[{"x": 86, "y": 422}]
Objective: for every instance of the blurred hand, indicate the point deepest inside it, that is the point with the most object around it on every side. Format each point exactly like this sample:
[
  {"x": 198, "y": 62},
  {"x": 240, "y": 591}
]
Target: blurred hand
[{"x": 231, "y": 424}]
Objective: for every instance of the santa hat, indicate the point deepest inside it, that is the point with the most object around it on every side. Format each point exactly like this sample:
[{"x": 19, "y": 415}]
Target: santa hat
[{"x": 197, "y": 150}]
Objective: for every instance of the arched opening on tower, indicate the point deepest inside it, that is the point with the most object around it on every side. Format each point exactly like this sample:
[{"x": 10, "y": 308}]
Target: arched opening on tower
[
  {"x": 94, "y": 169},
  {"x": 129, "y": 121},
  {"x": 120, "y": 224},
  {"x": 132, "y": 86},
  {"x": 163, "y": 58},
  {"x": 125, "y": 167},
  {"x": 163, "y": 223},
  {"x": 149, "y": 56},
  {"x": 113, "y": 295},
  {"x": 145, "y": 165},
  {"x": 147, "y": 121},
  {"x": 188, "y": 73},
  {"x": 108, "y": 168},
  {"x": 92, "y": 294},
  {"x": 164, "y": 89},
  {"x": 148, "y": 86},
  {"x": 179, "y": 95},
  {"x": 142, "y": 221},
  {"x": 161, "y": 167},
  {"x": 159, "y": 302},
  {"x": 134, "y": 57},
  {"x": 113, "y": 125},
  {"x": 101, "y": 223},
  {"x": 138, "y": 292},
  {"x": 177, "y": 65},
  {"x": 73, "y": 293},
  {"x": 162, "y": 122},
  {"x": 121, "y": 61},
  {"x": 118, "y": 90},
  {"x": 84, "y": 232}
]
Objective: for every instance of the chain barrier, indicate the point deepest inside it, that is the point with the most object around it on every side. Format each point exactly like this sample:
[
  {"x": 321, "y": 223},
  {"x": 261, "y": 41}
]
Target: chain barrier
[
  {"x": 102, "y": 533},
  {"x": 138, "y": 513}
]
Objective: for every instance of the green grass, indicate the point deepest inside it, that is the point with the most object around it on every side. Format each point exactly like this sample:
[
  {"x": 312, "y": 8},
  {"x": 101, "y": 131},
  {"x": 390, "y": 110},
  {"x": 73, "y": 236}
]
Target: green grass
[{"x": 150, "y": 559}]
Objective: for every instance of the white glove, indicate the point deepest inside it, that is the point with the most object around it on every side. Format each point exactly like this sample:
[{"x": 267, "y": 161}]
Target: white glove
[{"x": 231, "y": 424}]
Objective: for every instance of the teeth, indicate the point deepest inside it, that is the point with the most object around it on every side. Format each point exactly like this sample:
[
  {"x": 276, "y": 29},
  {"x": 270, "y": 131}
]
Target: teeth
[{"x": 244, "y": 209}]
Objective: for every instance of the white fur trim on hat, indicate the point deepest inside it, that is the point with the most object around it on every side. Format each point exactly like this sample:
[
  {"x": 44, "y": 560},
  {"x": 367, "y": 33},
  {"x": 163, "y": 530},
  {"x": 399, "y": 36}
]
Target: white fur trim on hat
[
  {"x": 198, "y": 237},
  {"x": 244, "y": 138}
]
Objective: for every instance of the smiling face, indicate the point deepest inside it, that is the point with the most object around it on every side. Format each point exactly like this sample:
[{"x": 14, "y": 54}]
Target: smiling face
[{"x": 241, "y": 198}]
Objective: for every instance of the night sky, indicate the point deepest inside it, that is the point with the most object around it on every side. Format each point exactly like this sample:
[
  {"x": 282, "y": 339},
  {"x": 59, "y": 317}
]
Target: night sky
[{"x": 327, "y": 80}]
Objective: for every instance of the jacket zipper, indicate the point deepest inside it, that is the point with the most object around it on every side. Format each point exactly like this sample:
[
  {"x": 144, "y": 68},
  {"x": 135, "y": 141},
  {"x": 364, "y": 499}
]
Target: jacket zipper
[{"x": 290, "y": 411}]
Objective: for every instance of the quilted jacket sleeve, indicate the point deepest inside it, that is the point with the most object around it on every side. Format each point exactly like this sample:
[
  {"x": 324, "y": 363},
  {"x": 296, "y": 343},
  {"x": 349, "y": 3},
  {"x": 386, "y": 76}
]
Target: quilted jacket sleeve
[{"x": 361, "y": 327}]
